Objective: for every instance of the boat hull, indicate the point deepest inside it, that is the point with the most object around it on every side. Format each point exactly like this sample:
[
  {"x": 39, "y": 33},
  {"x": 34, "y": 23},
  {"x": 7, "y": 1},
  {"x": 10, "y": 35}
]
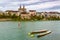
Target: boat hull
[
  {"x": 43, "y": 34},
  {"x": 41, "y": 31}
]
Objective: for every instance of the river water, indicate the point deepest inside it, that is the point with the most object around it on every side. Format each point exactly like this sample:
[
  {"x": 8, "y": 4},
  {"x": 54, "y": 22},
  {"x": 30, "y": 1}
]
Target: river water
[{"x": 15, "y": 31}]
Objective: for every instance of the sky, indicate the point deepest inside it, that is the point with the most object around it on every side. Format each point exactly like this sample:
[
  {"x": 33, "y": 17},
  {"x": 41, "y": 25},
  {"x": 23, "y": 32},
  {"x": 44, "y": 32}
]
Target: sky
[{"x": 38, "y": 5}]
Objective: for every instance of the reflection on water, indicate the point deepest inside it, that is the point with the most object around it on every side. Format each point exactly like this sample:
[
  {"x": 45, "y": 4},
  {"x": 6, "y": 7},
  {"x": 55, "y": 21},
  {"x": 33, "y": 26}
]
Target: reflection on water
[{"x": 18, "y": 31}]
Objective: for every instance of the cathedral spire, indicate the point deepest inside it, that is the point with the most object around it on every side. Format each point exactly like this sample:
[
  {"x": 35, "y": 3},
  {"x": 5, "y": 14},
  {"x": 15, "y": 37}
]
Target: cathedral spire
[
  {"x": 20, "y": 6},
  {"x": 23, "y": 6}
]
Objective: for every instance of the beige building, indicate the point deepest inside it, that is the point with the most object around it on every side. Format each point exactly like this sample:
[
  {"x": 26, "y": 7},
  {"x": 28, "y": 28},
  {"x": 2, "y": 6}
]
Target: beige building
[
  {"x": 1, "y": 12},
  {"x": 25, "y": 16},
  {"x": 32, "y": 12},
  {"x": 11, "y": 12}
]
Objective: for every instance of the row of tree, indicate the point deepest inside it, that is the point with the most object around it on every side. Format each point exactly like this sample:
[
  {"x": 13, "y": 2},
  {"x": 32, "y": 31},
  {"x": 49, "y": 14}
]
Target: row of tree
[{"x": 18, "y": 18}]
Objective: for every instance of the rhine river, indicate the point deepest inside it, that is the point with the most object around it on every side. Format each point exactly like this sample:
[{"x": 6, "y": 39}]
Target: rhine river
[{"x": 11, "y": 30}]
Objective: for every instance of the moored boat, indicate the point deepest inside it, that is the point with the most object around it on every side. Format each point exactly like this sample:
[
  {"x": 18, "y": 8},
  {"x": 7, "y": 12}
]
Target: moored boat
[
  {"x": 43, "y": 34},
  {"x": 37, "y": 32}
]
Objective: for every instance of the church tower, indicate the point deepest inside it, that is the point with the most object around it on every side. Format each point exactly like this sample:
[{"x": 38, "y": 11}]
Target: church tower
[
  {"x": 22, "y": 9},
  {"x": 20, "y": 6}
]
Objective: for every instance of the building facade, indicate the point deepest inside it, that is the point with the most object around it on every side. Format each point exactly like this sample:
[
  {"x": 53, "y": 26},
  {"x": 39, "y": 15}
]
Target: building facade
[{"x": 22, "y": 12}]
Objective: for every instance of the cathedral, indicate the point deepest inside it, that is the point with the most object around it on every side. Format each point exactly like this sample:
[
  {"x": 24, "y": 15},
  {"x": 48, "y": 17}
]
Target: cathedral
[{"x": 21, "y": 11}]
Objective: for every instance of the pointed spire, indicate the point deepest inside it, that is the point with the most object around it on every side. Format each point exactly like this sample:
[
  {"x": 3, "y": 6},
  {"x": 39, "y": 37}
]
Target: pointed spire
[
  {"x": 20, "y": 6},
  {"x": 23, "y": 6}
]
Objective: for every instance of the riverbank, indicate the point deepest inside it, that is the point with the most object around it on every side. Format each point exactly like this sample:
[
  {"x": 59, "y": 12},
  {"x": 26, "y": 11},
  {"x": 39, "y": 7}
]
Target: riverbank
[
  {"x": 3, "y": 19},
  {"x": 8, "y": 19}
]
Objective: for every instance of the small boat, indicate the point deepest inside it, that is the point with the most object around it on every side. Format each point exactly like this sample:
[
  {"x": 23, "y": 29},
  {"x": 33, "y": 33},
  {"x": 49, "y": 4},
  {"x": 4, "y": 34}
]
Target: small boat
[
  {"x": 36, "y": 32},
  {"x": 43, "y": 34}
]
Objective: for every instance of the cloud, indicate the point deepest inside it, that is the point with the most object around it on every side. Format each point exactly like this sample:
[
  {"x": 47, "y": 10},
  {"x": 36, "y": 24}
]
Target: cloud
[
  {"x": 44, "y": 5},
  {"x": 30, "y": 2},
  {"x": 1, "y": 7},
  {"x": 4, "y": 1},
  {"x": 52, "y": 10},
  {"x": 24, "y": 2},
  {"x": 40, "y": 5}
]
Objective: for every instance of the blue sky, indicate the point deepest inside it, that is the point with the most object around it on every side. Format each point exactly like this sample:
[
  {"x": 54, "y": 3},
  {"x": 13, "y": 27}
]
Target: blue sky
[{"x": 39, "y": 5}]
